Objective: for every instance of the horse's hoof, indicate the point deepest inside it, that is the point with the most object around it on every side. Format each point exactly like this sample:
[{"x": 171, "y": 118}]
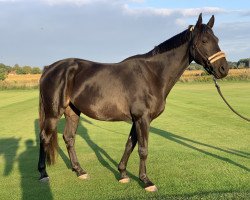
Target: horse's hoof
[
  {"x": 44, "y": 179},
  {"x": 124, "y": 180},
  {"x": 83, "y": 176},
  {"x": 152, "y": 188}
]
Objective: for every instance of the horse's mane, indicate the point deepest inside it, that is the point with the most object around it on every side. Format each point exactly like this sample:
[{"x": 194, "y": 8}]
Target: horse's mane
[
  {"x": 167, "y": 45},
  {"x": 173, "y": 42}
]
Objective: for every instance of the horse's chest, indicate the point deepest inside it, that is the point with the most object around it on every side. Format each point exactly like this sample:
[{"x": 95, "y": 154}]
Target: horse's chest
[{"x": 155, "y": 104}]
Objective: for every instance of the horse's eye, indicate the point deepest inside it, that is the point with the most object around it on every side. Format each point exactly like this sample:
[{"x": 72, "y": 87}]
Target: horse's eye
[{"x": 204, "y": 41}]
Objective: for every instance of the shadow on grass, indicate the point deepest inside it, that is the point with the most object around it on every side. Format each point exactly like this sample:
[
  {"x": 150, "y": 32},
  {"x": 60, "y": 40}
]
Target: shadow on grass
[
  {"x": 27, "y": 165},
  {"x": 183, "y": 141},
  {"x": 109, "y": 163},
  {"x": 205, "y": 195},
  {"x": 31, "y": 187},
  {"x": 29, "y": 160},
  {"x": 8, "y": 149},
  {"x": 100, "y": 153},
  {"x": 241, "y": 152}
]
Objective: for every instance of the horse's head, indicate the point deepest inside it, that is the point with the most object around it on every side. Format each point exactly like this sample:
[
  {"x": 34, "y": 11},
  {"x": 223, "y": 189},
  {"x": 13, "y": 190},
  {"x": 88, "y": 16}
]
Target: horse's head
[{"x": 205, "y": 49}]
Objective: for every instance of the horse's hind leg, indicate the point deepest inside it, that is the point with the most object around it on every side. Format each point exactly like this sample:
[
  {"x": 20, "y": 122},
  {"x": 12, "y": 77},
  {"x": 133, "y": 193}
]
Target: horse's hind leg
[
  {"x": 72, "y": 116},
  {"x": 41, "y": 163},
  {"x": 130, "y": 145},
  {"x": 48, "y": 145}
]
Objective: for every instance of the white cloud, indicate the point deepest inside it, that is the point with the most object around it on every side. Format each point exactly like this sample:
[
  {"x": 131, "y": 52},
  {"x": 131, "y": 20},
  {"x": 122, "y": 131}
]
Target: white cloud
[
  {"x": 76, "y": 2},
  {"x": 205, "y": 10},
  {"x": 137, "y": 1},
  {"x": 85, "y": 2},
  {"x": 189, "y": 12},
  {"x": 6, "y": 1},
  {"x": 94, "y": 1},
  {"x": 73, "y": 2}
]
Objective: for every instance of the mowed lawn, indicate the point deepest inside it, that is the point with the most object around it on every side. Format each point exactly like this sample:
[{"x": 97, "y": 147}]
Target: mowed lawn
[{"x": 198, "y": 149}]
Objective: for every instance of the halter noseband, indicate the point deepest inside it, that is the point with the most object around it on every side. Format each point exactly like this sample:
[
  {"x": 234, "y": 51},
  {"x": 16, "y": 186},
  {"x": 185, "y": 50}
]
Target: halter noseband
[{"x": 216, "y": 56}]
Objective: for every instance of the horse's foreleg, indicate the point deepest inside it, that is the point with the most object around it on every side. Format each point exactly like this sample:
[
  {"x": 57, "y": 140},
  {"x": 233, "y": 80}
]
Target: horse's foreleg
[
  {"x": 142, "y": 130},
  {"x": 132, "y": 140},
  {"x": 72, "y": 118}
]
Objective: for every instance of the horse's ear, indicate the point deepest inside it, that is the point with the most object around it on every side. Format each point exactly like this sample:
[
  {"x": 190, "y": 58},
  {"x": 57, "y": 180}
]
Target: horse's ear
[
  {"x": 211, "y": 22},
  {"x": 199, "y": 22}
]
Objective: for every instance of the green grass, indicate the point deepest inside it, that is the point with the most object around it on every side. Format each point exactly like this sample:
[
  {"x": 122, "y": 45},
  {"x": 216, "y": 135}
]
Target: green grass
[{"x": 198, "y": 149}]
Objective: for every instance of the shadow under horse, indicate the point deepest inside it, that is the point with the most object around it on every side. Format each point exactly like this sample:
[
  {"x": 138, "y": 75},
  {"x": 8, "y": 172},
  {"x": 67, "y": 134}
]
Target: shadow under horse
[{"x": 100, "y": 153}]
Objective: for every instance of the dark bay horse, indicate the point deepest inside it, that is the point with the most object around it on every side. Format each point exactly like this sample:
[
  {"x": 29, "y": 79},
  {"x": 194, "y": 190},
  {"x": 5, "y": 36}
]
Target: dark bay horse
[{"x": 134, "y": 89}]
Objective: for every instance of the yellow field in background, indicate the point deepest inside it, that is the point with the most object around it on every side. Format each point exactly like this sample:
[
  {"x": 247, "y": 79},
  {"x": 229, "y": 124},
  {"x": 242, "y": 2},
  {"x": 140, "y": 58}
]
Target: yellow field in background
[
  {"x": 32, "y": 80},
  {"x": 23, "y": 77},
  {"x": 21, "y": 81},
  {"x": 200, "y": 75},
  {"x": 232, "y": 72}
]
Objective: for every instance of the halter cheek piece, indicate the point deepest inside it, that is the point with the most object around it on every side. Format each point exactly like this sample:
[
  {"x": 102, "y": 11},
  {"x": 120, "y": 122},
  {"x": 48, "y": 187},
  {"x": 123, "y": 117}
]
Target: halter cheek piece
[{"x": 213, "y": 58}]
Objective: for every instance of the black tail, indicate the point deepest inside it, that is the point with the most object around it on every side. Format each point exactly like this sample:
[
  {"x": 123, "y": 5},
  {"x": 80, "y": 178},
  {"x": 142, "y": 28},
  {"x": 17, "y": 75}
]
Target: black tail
[{"x": 48, "y": 137}]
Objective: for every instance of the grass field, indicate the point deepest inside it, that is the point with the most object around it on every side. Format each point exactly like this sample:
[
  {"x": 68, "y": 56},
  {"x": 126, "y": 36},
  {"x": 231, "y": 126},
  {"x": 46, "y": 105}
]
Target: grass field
[{"x": 198, "y": 149}]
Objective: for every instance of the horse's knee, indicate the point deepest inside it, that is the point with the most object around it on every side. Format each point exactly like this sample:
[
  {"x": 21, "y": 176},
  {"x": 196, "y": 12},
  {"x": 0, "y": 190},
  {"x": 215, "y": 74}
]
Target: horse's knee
[{"x": 143, "y": 153}]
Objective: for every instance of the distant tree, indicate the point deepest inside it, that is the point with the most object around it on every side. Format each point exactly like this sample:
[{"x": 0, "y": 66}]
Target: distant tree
[
  {"x": 232, "y": 65},
  {"x": 194, "y": 66},
  {"x": 243, "y": 63},
  {"x": 17, "y": 69},
  {"x": 36, "y": 70},
  {"x": 2, "y": 65},
  {"x": 3, "y": 72},
  {"x": 26, "y": 70}
]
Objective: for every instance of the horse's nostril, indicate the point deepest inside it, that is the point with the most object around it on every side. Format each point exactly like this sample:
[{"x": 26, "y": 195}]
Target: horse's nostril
[{"x": 222, "y": 69}]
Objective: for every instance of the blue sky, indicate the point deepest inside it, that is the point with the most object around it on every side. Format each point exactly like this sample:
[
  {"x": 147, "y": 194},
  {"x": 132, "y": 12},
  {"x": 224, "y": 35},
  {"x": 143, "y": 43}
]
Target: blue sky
[{"x": 40, "y": 32}]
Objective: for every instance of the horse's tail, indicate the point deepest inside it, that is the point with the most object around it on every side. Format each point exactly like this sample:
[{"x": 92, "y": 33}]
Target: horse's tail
[
  {"x": 41, "y": 112},
  {"x": 48, "y": 135}
]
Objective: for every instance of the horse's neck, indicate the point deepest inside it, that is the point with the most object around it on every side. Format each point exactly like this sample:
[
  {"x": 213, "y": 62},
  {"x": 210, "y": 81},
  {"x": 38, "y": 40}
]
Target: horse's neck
[{"x": 171, "y": 65}]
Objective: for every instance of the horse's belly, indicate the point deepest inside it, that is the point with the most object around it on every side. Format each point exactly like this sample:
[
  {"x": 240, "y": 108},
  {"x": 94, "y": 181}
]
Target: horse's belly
[{"x": 105, "y": 111}]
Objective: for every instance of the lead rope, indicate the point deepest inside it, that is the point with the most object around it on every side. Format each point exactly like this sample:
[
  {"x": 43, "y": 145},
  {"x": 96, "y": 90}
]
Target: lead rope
[{"x": 219, "y": 91}]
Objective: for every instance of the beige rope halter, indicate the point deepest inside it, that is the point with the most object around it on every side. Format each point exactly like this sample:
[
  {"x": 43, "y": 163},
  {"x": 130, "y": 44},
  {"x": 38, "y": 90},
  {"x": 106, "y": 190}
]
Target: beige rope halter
[{"x": 216, "y": 56}]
